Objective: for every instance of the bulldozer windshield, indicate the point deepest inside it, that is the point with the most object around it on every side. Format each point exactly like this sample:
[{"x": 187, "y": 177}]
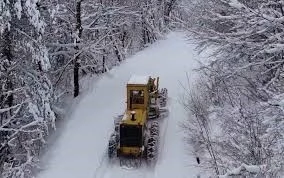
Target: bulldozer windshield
[
  {"x": 137, "y": 96},
  {"x": 130, "y": 136}
]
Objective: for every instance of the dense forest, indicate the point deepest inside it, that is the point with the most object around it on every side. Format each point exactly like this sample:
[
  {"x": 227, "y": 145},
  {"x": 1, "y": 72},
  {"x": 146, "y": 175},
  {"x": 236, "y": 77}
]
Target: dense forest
[
  {"x": 237, "y": 105},
  {"x": 236, "y": 117},
  {"x": 46, "y": 47}
]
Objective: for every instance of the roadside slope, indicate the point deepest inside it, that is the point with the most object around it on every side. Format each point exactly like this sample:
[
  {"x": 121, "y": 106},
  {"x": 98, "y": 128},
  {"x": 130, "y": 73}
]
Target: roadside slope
[{"x": 81, "y": 149}]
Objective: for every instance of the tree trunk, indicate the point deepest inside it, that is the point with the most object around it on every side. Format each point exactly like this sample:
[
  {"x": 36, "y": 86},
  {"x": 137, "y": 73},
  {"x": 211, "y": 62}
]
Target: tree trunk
[
  {"x": 146, "y": 36},
  {"x": 79, "y": 29},
  {"x": 168, "y": 9},
  {"x": 104, "y": 62},
  {"x": 116, "y": 50},
  {"x": 7, "y": 54},
  {"x": 76, "y": 79}
]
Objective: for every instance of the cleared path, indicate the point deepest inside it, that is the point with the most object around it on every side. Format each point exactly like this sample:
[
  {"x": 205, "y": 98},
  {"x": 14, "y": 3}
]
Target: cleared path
[{"x": 81, "y": 149}]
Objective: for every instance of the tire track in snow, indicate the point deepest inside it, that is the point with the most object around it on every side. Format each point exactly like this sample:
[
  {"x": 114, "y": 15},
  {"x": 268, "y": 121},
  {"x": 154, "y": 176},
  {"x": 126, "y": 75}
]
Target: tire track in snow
[
  {"x": 103, "y": 166},
  {"x": 164, "y": 124}
]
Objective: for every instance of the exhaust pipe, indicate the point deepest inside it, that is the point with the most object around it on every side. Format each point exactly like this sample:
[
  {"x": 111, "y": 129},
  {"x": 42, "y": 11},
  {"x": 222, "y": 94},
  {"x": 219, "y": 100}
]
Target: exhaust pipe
[{"x": 133, "y": 115}]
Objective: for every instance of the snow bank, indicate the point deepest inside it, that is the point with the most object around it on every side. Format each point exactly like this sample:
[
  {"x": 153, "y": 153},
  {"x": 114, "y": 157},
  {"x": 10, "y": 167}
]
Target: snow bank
[{"x": 243, "y": 168}]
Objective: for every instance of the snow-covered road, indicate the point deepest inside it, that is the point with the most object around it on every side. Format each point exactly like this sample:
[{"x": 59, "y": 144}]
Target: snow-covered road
[{"x": 80, "y": 152}]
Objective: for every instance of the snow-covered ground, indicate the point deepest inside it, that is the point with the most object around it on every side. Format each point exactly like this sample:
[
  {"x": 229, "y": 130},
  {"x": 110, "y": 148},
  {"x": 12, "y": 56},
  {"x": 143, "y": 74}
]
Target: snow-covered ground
[{"x": 80, "y": 151}]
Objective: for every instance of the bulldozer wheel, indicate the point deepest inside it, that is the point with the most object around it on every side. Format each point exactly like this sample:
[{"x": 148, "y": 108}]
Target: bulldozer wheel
[
  {"x": 152, "y": 144},
  {"x": 112, "y": 145},
  {"x": 151, "y": 150}
]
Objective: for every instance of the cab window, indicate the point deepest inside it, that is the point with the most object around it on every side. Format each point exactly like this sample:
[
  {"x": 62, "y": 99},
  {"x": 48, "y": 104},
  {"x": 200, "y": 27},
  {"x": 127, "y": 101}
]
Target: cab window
[{"x": 137, "y": 96}]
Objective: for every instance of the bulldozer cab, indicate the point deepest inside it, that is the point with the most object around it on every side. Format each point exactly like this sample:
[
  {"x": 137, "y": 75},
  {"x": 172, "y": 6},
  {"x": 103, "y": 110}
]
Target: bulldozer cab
[{"x": 138, "y": 92}]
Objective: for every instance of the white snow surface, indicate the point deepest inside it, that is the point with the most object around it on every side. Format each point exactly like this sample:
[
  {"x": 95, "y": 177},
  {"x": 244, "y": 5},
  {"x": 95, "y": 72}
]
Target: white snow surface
[
  {"x": 136, "y": 79},
  {"x": 243, "y": 168},
  {"x": 81, "y": 149}
]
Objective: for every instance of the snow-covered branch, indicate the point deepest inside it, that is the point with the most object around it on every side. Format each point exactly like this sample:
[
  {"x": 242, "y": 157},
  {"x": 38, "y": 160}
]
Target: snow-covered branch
[
  {"x": 253, "y": 169},
  {"x": 9, "y": 108},
  {"x": 244, "y": 74}
]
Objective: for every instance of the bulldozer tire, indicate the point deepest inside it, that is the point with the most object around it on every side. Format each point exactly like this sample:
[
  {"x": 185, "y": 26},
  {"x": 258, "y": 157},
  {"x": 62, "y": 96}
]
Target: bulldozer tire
[
  {"x": 152, "y": 144},
  {"x": 163, "y": 97},
  {"x": 154, "y": 129},
  {"x": 151, "y": 150},
  {"x": 113, "y": 141}
]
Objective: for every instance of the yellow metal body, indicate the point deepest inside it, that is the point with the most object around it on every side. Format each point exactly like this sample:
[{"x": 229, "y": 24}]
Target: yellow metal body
[
  {"x": 130, "y": 151},
  {"x": 139, "y": 96},
  {"x": 140, "y": 117}
]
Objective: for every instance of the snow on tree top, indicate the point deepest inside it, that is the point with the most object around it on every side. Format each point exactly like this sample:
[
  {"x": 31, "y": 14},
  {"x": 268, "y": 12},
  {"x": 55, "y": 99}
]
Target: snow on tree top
[{"x": 135, "y": 79}]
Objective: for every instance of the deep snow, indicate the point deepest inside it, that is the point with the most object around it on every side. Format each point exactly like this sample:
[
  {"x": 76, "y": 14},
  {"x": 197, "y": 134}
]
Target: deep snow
[{"x": 80, "y": 151}]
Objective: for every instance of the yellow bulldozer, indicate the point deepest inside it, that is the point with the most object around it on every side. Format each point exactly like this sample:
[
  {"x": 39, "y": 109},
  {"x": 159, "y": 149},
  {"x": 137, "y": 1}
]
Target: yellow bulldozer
[{"x": 136, "y": 133}]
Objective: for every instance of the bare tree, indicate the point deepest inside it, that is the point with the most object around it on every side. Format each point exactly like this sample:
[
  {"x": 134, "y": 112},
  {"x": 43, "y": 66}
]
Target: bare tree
[
  {"x": 198, "y": 124},
  {"x": 244, "y": 77}
]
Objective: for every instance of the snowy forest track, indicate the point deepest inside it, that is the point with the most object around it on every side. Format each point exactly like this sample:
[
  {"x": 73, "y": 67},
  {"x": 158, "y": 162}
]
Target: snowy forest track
[{"x": 81, "y": 149}]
